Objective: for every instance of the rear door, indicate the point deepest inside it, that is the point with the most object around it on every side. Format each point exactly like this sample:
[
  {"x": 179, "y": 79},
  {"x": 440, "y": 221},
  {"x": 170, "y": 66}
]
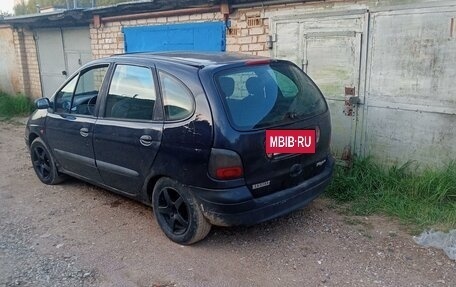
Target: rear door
[{"x": 128, "y": 133}]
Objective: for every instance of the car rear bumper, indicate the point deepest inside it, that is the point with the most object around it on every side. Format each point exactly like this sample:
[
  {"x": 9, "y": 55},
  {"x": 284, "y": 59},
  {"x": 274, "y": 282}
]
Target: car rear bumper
[{"x": 236, "y": 206}]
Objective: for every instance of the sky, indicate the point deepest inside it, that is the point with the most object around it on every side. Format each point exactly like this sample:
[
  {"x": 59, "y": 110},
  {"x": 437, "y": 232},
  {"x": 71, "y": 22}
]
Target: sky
[{"x": 7, "y": 5}]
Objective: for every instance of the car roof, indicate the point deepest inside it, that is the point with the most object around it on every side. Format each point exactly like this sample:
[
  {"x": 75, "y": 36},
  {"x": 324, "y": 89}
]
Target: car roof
[{"x": 196, "y": 59}]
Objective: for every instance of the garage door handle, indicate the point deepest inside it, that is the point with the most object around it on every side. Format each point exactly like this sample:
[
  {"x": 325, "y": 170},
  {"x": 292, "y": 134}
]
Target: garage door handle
[
  {"x": 84, "y": 132},
  {"x": 145, "y": 140}
]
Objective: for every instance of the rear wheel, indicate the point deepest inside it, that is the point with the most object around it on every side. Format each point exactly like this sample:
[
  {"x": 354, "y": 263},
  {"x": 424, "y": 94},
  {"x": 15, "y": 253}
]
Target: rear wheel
[
  {"x": 177, "y": 212},
  {"x": 43, "y": 163}
]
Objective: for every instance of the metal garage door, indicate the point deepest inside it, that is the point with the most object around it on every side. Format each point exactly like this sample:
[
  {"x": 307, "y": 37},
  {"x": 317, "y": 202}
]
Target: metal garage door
[
  {"x": 330, "y": 49},
  {"x": 60, "y": 53},
  {"x": 412, "y": 95},
  {"x": 207, "y": 36}
]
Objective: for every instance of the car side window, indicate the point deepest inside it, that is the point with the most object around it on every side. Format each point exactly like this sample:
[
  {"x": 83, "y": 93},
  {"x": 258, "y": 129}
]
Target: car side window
[
  {"x": 87, "y": 89},
  {"x": 62, "y": 101},
  {"x": 131, "y": 93},
  {"x": 178, "y": 101},
  {"x": 79, "y": 96}
]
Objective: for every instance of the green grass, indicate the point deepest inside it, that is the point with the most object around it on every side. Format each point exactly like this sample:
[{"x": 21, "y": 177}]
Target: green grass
[
  {"x": 12, "y": 106},
  {"x": 422, "y": 199}
]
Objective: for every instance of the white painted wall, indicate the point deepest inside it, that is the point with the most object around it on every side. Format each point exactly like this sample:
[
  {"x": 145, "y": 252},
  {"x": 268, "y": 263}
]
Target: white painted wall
[{"x": 9, "y": 68}]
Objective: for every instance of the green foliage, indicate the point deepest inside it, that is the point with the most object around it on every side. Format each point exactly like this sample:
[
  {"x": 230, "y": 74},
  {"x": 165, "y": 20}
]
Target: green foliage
[
  {"x": 11, "y": 106},
  {"x": 424, "y": 198}
]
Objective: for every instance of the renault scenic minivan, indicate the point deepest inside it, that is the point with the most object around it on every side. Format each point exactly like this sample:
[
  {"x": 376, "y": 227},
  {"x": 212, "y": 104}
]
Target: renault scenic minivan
[{"x": 205, "y": 139}]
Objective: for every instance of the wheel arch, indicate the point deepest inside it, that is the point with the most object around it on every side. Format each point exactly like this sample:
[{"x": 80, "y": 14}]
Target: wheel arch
[
  {"x": 150, "y": 184},
  {"x": 32, "y": 137}
]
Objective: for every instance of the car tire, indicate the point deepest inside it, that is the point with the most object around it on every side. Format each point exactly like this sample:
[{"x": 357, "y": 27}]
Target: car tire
[
  {"x": 44, "y": 164},
  {"x": 177, "y": 212}
]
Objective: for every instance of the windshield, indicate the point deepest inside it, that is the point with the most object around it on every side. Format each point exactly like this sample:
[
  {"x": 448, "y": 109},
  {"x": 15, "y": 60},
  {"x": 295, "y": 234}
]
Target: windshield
[{"x": 267, "y": 95}]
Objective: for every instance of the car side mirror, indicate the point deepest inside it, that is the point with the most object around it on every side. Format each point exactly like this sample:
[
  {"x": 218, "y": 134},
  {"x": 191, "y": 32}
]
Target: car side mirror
[{"x": 42, "y": 103}]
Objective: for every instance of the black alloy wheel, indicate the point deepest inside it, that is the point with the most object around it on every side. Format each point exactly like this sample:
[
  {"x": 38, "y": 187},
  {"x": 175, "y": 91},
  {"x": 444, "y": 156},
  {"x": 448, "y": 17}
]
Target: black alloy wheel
[
  {"x": 178, "y": 213},
  {"x": 174, "y": 210},
  {"x": 43, "y": 163}
]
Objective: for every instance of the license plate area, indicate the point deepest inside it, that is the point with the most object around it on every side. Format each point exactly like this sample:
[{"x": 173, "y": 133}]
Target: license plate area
[{"x": 279, "y": 142}]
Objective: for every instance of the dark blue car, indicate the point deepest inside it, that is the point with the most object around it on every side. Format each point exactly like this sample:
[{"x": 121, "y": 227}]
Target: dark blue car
[{"x": 186, "y": 134}]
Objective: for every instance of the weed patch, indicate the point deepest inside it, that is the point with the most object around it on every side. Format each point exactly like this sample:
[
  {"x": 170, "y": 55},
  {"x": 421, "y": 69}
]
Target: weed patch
[
  {"x": 11, "y": 106},
  {"x": 423, "y": 199}
]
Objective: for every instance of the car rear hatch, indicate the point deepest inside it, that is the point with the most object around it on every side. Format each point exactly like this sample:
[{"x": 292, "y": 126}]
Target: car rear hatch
[{"x": 275, "y": 95}]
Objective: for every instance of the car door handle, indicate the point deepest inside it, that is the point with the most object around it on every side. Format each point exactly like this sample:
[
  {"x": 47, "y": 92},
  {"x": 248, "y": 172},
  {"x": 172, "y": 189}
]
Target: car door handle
[
  {"x": 145, "y": 140},
  {"x": 84, "y": 132}
]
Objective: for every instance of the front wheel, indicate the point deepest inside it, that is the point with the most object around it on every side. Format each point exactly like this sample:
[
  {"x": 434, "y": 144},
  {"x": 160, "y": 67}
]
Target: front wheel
[
  {"x": 43, "y": 163},
  {"x": 178, "y": 213}
]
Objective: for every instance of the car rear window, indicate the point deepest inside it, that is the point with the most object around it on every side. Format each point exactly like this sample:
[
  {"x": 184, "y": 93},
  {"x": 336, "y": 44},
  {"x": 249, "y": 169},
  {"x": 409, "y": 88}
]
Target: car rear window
[{"x": 262, "y": 96}]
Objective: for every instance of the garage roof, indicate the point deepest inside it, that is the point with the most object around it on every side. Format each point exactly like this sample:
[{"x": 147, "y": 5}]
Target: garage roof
[{"x": 81, "y": 17}]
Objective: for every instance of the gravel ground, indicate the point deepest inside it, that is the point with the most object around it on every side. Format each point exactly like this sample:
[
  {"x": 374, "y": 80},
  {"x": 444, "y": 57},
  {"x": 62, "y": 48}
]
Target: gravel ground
[{"x": 75, "y": 234}]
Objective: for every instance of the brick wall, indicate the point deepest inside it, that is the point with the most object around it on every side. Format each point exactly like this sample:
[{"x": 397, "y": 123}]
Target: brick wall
[
  {"x": 106, "y": 40},
  {"x": 32, "y": 62},
  {"x": 248, "y": 32},
  {"x": 26, "y": 53},
  {"x": 21, "y": 58}
]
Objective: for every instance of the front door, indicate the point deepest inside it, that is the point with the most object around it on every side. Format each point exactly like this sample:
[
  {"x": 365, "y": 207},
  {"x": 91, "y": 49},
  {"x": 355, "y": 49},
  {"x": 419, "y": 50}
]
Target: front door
[
  {"x": 69, "y": 128},
  {"x": 128, "y": 134}
]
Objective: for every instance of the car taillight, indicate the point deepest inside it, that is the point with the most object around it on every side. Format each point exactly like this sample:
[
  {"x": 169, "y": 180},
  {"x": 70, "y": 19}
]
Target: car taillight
[
  {"x": 228, "y": 172},
  {"x": 225, "y": 164}
]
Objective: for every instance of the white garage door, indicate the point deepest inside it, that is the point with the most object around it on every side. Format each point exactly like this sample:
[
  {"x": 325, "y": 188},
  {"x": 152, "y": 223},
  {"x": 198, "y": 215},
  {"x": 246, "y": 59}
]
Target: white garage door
[
  {"x": 61, "y": 52},
  {"x": 330, "y": 50}
]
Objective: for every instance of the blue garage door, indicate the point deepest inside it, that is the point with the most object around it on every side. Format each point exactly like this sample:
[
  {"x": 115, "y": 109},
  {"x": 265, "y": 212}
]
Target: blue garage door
[{"x": 207, "y": 36}]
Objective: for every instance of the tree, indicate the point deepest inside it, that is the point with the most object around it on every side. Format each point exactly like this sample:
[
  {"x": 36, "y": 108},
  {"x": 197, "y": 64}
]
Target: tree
[{"x": 25, "y": 7}]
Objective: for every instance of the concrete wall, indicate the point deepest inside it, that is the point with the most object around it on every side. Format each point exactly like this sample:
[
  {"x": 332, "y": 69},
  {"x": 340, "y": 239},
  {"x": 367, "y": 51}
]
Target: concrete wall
[{"x": 9, "y": 73}]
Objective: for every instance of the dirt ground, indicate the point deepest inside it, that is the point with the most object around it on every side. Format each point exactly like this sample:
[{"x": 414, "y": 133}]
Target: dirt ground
[{"x": 75, "y": 234}]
